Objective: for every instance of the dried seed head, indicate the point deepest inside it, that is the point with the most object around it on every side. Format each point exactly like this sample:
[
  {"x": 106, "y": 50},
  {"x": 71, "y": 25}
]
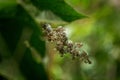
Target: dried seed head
[
  {"x": 63, "y": 44},
  {"x": 47, "y": 27}
]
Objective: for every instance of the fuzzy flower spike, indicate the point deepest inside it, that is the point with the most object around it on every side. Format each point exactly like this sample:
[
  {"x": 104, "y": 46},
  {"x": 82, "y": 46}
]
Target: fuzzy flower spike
[{"x": 63, "y": 44}]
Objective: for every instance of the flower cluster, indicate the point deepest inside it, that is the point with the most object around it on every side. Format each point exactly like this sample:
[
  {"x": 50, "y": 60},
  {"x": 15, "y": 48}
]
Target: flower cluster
[{"x": 63, "y": 44}]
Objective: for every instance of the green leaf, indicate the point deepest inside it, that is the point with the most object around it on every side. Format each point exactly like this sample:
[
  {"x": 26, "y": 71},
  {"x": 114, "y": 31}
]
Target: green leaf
[
  {"x": 35, "y": 41},
  {"x": 58, "y": 7},
  {"x": 38, "y": 44},
  {"x": 11, "y": 29},
  {"x": 31, "y": 69},
  {"x": 10, "y": 65},
  {"x": 2, "y": 77},
  {"x": 7, "y": 8}
]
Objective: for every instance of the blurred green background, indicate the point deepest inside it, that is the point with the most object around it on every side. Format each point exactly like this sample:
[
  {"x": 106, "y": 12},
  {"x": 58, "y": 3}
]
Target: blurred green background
[{"x": 25, "y": 55}]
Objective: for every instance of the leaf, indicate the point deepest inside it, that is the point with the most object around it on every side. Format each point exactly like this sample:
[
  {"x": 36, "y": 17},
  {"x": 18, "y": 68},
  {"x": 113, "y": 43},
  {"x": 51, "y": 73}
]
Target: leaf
[
  {"x": 0, "y": 58},
  {"x": 10, "y": 70},
  {"x": 2, "y": 77},
  {"x": 58, "y": 7},
  {"x": 31, "y": 69},
  {"x": 7, "y": 8},
  {"x": 38, "y": 44},
  {"x": 35, "y": 41},
  {"x": 11, "y": 29}
]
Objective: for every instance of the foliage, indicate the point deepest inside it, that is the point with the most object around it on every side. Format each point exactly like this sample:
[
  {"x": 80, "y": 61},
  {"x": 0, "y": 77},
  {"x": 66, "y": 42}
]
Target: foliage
[
  {"x": 20, "y": 37},
  {"x": 24, "y": 54}
]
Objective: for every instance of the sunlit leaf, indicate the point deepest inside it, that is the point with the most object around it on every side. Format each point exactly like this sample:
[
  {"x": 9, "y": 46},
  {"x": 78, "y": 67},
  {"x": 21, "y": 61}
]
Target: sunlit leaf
[{"x": 58, "y": 7}]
